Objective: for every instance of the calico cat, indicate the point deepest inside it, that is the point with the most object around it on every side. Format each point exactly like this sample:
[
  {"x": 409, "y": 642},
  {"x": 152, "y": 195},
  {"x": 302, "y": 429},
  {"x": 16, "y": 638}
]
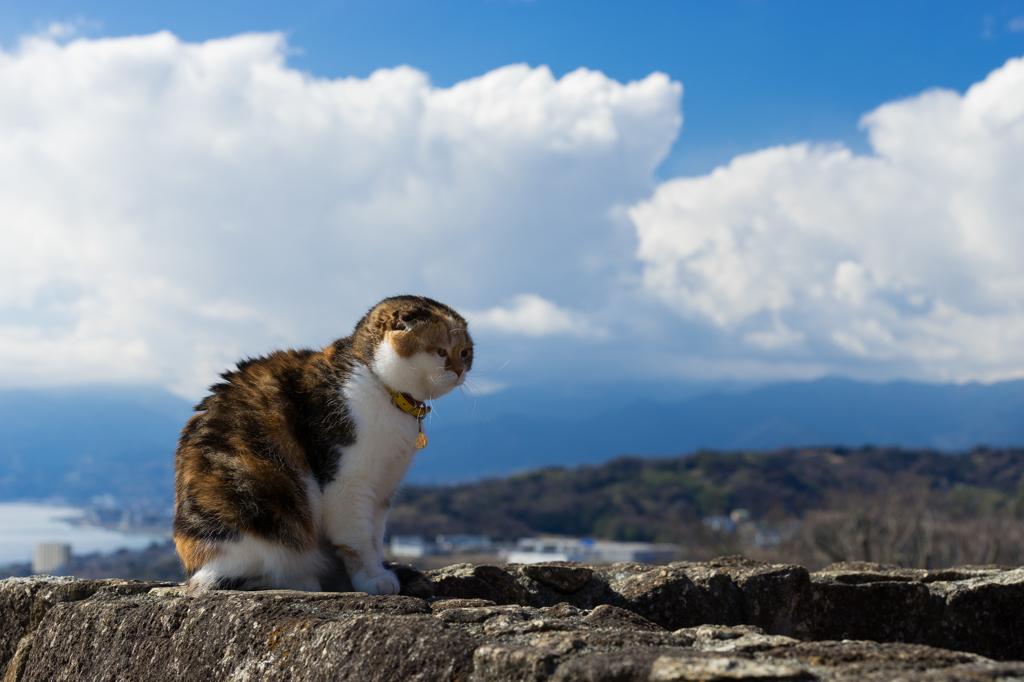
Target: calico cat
[{"x": 286, "y": 476}]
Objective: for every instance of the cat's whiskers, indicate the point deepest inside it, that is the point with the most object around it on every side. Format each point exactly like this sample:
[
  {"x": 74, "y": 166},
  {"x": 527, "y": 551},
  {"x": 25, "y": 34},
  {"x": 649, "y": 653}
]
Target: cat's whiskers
[
  {"x": 477, "y": 318},
  {"x": 466, "y": 402},
  {"x": 479, "y": 372}
]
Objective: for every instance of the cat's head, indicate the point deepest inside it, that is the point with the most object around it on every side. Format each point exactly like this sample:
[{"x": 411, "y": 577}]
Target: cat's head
[{"x": 415, "y": 345}]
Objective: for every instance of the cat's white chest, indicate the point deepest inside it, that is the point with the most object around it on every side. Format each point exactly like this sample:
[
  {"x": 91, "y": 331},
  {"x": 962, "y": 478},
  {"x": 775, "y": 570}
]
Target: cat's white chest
[
  {"x": 378, "y": 421},
  {"x": 385, "y": 438},
  {"x": 357, "y": 501}
]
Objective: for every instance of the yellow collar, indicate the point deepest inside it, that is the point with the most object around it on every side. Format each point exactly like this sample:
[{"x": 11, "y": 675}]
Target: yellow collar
[{"x": 406, "y": 403}]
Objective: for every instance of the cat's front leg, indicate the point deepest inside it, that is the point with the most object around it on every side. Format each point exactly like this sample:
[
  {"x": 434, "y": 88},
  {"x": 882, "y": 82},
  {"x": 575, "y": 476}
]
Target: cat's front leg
[
  {"x": 354, "y": 529},
  {"x": 364, "y": 567},
  {"x": 384, "y": 582}
]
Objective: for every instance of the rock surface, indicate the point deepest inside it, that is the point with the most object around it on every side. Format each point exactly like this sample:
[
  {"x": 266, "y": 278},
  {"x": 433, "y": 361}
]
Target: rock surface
[{"x": 730, "y": 619}]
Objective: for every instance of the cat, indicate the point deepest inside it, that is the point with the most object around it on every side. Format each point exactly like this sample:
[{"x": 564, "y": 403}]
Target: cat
[{"x": 285, "y": 477}]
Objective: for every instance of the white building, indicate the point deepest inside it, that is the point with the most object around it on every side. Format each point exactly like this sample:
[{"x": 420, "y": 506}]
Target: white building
[
  {"x": 411, "y": 546},
  {"x": 539, "y": 550},
  {"x": 417, "y": 546},
  {"x": 52, "y": 559},
  {"x": 462, "y": 543}
]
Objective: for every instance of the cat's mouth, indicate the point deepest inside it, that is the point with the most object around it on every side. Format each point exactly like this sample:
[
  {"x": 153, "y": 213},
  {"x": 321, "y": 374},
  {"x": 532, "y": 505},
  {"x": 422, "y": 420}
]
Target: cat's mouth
[{"x": 446, "y": 381}]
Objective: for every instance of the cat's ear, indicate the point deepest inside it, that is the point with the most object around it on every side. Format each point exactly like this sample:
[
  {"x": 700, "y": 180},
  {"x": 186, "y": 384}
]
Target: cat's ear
[{"x": 403, "y": 321}]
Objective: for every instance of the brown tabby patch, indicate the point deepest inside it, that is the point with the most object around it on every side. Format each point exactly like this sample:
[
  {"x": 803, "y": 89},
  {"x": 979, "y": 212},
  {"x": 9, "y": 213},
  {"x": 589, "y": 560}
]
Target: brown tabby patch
[{"x": 194, "y": 553}]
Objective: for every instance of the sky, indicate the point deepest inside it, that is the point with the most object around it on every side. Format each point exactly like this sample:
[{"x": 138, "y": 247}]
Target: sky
[{"x": 745, "y": 191}]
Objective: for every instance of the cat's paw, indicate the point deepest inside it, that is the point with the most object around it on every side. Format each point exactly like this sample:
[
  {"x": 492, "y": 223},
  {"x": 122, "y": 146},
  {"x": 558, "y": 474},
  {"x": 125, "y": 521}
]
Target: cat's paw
[{"x": 383, "y": 582}]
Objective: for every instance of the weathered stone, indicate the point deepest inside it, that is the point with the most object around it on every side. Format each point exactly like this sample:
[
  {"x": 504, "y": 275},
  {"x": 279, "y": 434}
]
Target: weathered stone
[
  {"x": 971, "y": 608},
  {"x": 869, "y": 572},
  {"x": 443, "y": 604},
  {"x": 240, "y": 637},
  {"x": 962, "y": 673},
  {"x": 628, "y": 665},
  {"x": 665, "y": 595},
  {"x": 722, "y": 595},
  {"x": 25, "y": 601},
  {"x": 16, "y": 666},
  {"x": 874, "y": 661},
  {"x": 962, "y": 573},
  {"x": 612, "y": 617},
  {"x": 509, "y": 663},
  {"x": 901, "y": 655},
  {"x": 771, "y": 594},
  {"x": 565, "y": 577},
  {"x": 563, "y": 610},
  {"x": 584, "y": 641},
  {"x": 609, "y": 629},
  {"x": 465, "y": 581},
  {"x": 670, "y": 669},
  {"x": 505, "y": 627},
  {"x": 884, "y": 611},
  {"x": 745, "y": 638},
  {"x": 480, "y": 614},
  {"x": 732, "y": 590},
  {"x": 592, "y": 592},
  {"x": 328, "y": 604},
  {"x": 984, "y": 615}
]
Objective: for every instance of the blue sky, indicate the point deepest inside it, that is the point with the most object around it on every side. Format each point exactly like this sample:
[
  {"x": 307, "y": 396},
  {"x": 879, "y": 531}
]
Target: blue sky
[
  {"x": 172, "y": 203},
  {"x": 757, "y": 73}
]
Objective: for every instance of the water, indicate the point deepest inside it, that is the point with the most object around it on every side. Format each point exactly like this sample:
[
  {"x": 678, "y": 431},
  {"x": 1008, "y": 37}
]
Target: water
[{"x": 24, "y": 525}]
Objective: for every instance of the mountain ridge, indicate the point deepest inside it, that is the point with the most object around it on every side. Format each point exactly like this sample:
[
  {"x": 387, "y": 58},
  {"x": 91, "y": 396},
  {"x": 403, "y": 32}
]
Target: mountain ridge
[{"x": 76, "y": 443}]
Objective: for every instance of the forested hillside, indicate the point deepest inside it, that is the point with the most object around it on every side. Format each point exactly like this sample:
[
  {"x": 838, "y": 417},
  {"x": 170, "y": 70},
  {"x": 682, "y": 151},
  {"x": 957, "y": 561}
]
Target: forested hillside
[
  {"x": 835, "y": 502},
  {"x": 639, "y": 498}
]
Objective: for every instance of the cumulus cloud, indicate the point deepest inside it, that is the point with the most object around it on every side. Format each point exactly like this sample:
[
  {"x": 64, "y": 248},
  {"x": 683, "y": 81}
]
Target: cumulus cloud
[
  {"x": 169, "y": 206},
  {"x": 911, "y": 255},
  {"x": 531, "y": 315}
]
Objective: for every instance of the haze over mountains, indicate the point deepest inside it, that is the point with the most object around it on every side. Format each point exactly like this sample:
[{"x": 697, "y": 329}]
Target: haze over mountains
[
  {"x": 512, "y": 434},
  {"x": 76, "y": 443}
]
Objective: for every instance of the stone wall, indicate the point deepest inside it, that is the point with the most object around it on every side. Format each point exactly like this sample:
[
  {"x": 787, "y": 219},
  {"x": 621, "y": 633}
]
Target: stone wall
[{"x": 729, "y": 619}]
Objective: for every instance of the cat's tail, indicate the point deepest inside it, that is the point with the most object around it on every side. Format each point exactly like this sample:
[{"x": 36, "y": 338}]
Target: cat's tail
[
  {"x": 248, "y": 564},
  {"x": 200, "y": 583},
  {"x": 208, "y": 578},
  {"x": 412, "y": 580}
]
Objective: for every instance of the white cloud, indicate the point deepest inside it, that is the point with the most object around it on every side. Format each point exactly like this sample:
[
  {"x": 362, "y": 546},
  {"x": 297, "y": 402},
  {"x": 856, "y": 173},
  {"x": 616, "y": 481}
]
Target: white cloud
[
  {"x": 60, "y": 31},
  {"x": 166, "y": 207},
  {"x": 531, "y": 315},
  {"x": 912, "y": 255}
]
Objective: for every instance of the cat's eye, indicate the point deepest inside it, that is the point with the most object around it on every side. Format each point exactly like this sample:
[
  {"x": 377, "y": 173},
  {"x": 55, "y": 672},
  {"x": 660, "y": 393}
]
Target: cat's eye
[
  {"x": 465, "y": 352},
  {"x": 442, "y": 352}
]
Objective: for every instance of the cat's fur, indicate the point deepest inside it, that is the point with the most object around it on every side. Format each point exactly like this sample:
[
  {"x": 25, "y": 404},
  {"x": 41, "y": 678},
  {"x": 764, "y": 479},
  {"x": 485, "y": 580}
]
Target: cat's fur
[{"x": 287, "y": 474}]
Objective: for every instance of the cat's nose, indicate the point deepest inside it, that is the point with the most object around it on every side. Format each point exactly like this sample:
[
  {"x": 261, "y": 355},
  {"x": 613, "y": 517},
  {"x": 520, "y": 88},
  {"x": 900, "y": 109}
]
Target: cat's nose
[{"x": 455, "y": 366}]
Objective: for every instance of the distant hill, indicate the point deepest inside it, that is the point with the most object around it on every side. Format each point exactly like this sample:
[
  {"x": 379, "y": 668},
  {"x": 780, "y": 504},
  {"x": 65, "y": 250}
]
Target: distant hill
[
  {"x": 662, "y": 499},
  {"x": 81, "y": 442},
  {"x": 521, "y": 430},
  {"x": 75, "y": 443}
]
